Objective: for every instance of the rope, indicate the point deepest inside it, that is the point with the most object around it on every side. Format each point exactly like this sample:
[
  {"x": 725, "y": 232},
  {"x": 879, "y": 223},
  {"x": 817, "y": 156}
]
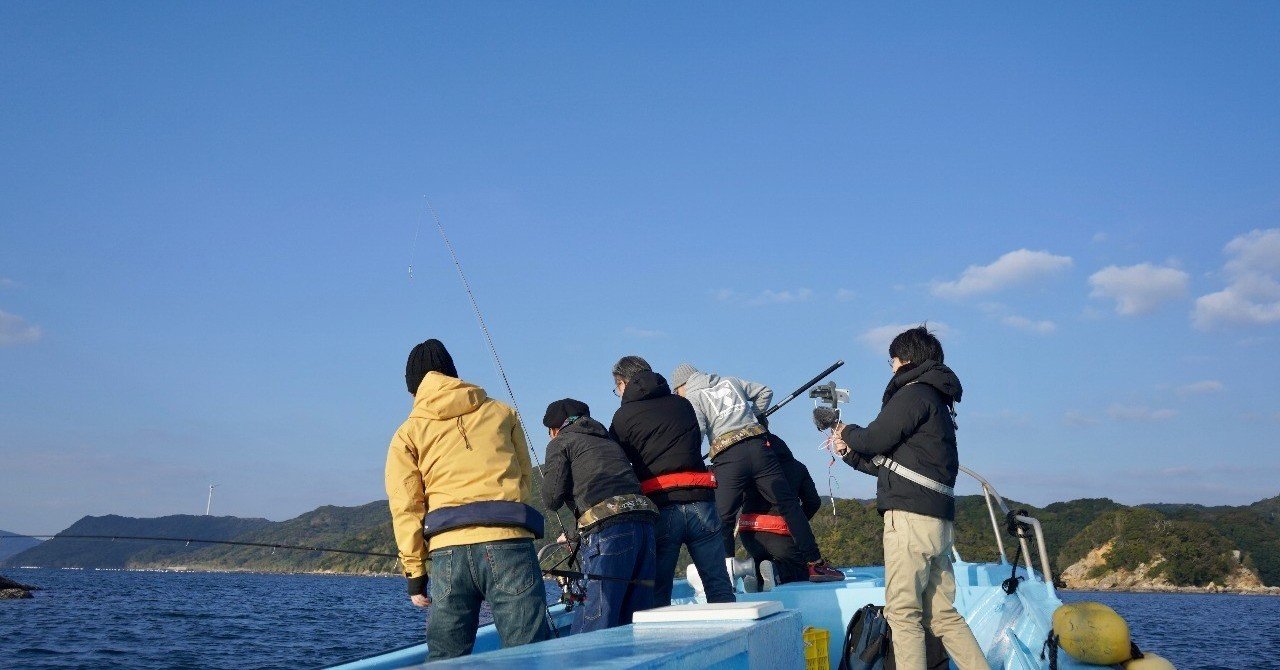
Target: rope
[
  {"x": 1019, "y": 531},
  {"x": 829, "y": 445}
]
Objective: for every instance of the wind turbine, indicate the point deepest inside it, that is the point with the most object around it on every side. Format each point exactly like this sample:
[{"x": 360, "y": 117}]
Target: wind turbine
[{"x": 209, "y": 505}]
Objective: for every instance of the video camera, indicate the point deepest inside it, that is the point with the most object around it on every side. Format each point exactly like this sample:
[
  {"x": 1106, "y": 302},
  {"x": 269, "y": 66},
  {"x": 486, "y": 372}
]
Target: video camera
[{"x": 826, "y": 417}]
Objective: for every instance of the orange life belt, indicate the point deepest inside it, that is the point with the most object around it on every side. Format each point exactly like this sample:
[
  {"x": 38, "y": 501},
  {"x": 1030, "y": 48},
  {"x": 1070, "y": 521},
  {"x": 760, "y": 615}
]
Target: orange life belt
[
  {"x": 763, "y": 523},
  {"x": 678, "y": 480}
]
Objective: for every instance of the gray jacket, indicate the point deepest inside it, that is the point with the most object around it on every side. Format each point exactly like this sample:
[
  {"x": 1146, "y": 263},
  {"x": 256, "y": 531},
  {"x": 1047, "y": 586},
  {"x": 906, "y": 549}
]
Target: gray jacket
[{"x": 726, "y": 404}]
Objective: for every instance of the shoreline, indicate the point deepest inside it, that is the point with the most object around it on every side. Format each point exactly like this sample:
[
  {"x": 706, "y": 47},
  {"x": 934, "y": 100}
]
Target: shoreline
[
  {"x": 184, "y": 569},
  {"x": 1171, "y": 590},
  {"x": 1184, "y": 590}
]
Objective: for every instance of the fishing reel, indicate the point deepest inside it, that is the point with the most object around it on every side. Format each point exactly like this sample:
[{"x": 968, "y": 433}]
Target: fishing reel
[{"x": 572, "y": 590}]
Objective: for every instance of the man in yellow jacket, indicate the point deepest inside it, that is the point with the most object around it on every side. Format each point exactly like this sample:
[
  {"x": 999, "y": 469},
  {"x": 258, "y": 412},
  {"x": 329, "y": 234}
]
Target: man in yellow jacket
[{"x": 459, "y": 483}]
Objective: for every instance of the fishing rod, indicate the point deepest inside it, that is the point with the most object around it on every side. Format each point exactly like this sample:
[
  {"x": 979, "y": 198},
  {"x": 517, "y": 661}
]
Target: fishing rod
[
  {"x": 189, "y": 540},
  {"x": 270, "y": 545},
  {"x": 488, "y": 338}
]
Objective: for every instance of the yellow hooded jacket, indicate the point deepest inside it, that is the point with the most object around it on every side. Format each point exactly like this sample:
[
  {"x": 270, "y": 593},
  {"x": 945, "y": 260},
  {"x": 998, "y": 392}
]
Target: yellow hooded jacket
[{"x": 458, "y": 446}]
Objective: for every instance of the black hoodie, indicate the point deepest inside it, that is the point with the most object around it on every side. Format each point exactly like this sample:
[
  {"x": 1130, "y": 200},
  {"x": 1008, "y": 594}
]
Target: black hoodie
[
  {"x": 916, "y": 428},
  {"x": 659, "y": 432}
]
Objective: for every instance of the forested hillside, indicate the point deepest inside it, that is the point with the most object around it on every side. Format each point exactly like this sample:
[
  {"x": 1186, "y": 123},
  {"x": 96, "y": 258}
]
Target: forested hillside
[
  {"x": 79, "y": 553},
  {"x": 1183, "y": 545}
]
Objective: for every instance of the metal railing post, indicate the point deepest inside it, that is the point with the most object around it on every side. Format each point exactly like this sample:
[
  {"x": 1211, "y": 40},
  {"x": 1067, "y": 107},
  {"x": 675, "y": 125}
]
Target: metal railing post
[
  {"x": 995, "y": 525},
  {"x": 989, "y": 492},
  {"x": 1040, "y": 544}
]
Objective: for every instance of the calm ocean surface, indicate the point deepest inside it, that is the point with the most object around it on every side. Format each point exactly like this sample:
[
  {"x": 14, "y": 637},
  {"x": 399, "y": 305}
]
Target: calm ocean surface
[{"x": 151, "y": 620}]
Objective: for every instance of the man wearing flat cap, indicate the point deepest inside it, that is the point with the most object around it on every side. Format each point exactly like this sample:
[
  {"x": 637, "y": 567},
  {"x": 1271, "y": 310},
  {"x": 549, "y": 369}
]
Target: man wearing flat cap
[{"x": 588, "y": 472}]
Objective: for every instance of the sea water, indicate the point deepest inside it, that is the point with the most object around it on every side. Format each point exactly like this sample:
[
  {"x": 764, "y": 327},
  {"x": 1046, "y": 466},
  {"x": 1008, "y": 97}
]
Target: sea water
[
  {"x": 154, "y": 620},
  {"x": 1199, "y": 631}
]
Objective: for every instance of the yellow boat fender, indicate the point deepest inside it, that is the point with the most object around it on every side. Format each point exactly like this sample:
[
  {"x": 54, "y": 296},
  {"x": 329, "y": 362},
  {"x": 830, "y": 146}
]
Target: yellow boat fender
[
  {"x": 1149, "y": 661},
  {"x": 1092, "y": 633}
]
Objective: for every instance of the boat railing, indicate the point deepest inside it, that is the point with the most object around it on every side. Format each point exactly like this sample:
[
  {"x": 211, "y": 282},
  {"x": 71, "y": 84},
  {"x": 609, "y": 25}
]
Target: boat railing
[{"x": 994, "y": 499}]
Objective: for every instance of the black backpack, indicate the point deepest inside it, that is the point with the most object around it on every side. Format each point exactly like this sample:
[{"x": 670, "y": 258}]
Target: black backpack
[{"x": 868, "y": 644}]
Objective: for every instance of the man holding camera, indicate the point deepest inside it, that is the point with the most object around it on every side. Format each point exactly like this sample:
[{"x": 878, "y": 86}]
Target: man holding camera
[{"x": 911, "y": 449}]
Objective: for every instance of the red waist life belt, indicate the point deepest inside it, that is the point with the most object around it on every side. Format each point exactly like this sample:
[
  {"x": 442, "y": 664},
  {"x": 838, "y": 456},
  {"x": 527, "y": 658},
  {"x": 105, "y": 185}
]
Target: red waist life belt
[
  {"x": 763, "y": 523},
  {"x": 678, "y": 480}
]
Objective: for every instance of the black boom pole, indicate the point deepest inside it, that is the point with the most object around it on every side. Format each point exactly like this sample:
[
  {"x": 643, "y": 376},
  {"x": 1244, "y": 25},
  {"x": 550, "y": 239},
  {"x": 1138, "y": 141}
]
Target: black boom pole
[{"x": 809, "y": 384}]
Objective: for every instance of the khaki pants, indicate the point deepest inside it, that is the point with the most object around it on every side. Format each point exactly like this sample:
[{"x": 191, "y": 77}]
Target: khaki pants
[{"x": 920, "y": 589}]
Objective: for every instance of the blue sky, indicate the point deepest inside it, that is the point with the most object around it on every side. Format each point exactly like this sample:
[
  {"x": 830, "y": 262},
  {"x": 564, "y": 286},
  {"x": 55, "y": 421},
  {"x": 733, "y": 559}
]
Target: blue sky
[{"x": 207, "y": 214}]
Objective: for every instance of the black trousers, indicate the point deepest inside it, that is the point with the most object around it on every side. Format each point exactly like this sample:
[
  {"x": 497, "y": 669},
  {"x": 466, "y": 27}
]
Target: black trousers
[
  {"x": 781, "y": 549},
  {"x": 752, "y": 462}
]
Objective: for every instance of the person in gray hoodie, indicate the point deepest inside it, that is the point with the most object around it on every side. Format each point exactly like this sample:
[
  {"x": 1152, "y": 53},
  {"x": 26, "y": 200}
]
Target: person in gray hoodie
[{"x": 730, "y": 413}]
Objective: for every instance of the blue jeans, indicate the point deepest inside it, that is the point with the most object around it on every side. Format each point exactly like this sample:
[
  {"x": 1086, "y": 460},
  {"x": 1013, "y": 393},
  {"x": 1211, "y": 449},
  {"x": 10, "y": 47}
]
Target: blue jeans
[
  {"x": 696, "y": 526},
  {"x": 623, "y": 550},
  {"x": 506, "y": 574}
]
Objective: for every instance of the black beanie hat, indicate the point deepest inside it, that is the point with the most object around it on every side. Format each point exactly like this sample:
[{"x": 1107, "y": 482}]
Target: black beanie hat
[
  {"x": 430, "y": 356},
  {"x": 559, "y": 411}
]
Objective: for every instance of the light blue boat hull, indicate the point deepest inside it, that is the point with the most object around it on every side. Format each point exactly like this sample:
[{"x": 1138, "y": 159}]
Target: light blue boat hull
[{"x": 1010, "y": 629}]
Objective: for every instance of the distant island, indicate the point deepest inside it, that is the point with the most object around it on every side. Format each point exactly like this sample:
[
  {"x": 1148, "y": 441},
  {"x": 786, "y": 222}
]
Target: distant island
[
  {"x": 14, "y": 544},
  {"x": 1095, "y": 544}
]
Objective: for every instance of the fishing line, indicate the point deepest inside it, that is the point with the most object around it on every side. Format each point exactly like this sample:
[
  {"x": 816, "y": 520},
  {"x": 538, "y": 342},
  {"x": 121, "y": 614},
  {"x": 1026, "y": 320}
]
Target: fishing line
[
  {"x": 189, "y": 540},
  {"x": 553, "y": 571},
  {"x": 493, "y": 350},
  {"x": 413, "y": 248}
]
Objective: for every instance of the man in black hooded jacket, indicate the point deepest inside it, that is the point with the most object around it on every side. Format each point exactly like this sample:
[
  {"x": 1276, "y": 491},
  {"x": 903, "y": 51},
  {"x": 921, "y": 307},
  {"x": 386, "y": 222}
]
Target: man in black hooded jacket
[
  {"x": 911, "y": 449},
  {"x": 659, "y": 432},
  {"x": 587, "y": 472}
]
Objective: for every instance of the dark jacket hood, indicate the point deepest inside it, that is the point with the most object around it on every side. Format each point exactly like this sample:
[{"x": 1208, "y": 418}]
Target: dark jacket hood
[
  {"x": 932, "y": 373},
  {"x": 644, "y": 386},
  {"x": 587, "y": 426}
]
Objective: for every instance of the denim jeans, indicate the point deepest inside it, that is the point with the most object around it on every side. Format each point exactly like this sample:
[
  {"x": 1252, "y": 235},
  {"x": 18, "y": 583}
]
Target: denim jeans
[
  {"x": 623, "y": 550},
  {"x": 506, "y": 574},
  {"x": 696, "y": 526}
]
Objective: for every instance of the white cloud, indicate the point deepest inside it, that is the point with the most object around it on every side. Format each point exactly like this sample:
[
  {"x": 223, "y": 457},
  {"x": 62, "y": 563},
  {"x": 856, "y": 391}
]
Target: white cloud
[
  {"x": 878, "y": 338},
  {"x": 1139, "y": 289},
  {"x": 1200, "y": 388},
  {"x": 1253, "y": 296},
  {"x": 1256, "y": 252},
  {"x": 1138, "y": 413},
  {"x": 1099, "y": 237},
  {"x": 1015, "y": 267},
  {"x": 642, "y": 333},
  {"x": 5, "y": 282},
  {"x": 765, "y": 297},
  {"x": 845, "y": 295},
  {"x": 771, "y": 297},
  {"x": 1079, "y": 420},
  {"x": 15, "y": 330},
  {"x": 1023, "y": 323}
]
